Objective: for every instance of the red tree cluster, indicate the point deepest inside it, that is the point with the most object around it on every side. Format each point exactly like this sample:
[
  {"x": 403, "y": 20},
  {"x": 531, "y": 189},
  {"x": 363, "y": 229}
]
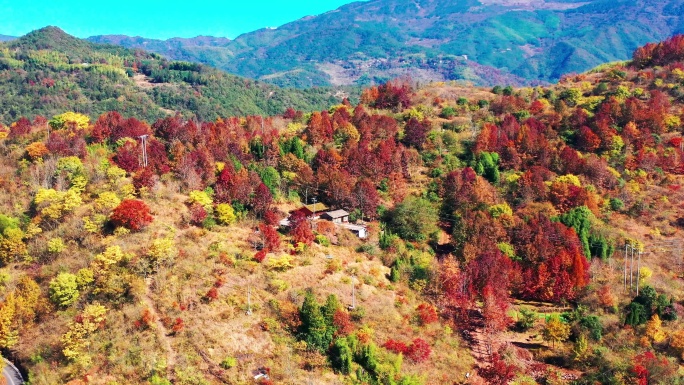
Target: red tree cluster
[
  {"x": 132, "y": 214},
  {"x": 427, "y": 313},
  {"x": 663, "y": 53},
  {"x": 418, "y": 351}
]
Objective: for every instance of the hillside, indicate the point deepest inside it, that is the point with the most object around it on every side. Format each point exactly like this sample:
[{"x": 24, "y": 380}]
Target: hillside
[
  {"x": 505, "y": 42},
  {"x": 6, "y": 38},
  {"x": 48, "y": 72},
  {"x": 515, "y": 235}
]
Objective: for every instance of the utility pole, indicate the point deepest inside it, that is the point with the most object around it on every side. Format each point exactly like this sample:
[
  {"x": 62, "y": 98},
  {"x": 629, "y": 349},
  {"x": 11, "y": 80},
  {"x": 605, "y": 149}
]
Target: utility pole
[
  {"x": 143, "y": 140},
  {"x": 353, "y": 305},
  {"x": 631, "y": 267},
  {"x": 313, "y": 214},
  {"x": 263, "y": 138},
  {"x": 638, "y": 273},
  {"x": 249, "y": 299},
  {"x": 625, "y": 271}
]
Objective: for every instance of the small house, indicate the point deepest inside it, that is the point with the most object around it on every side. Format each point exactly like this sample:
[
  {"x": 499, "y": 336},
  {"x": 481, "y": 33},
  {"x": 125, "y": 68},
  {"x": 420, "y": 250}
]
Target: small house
[
  {"x": 316, "y": 210},
  {"x": 337, "y": 216},
  {"x": 360, "y": 231},
  {"x": 304, "y": 210}
]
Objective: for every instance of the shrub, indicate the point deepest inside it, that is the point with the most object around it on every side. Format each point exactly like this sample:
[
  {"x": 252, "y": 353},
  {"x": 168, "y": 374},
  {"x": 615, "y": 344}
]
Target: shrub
[
  {"x": 448, "y": 112},
  {"x": 162, "y": 250},
  {"x": 616, "y": 204},
  {"x": 132, "y": 214},
  {"x": 211, "y": 295},
  {"x": 106, "y": 201},
  {"x": 54, "y": 204},
  {"x": 144, "y": 178},
  {"x": 201, "y": 198},
  {"x": 225, "y": 214},
  {"x": 396, "y": 346},
  {"x": 322, "y": 240},
  {"x": 260, "y": 255},
  {"x": 419, "y": 351},
  {"x": 228, "y": 363},
  {"x": 280, "y": 264},
  {"x": 84, "y": 277},
  {"x": 56, "y": 245},
  {"x": 111, "y": 256},
  {"x": 64, "y": 289},
  {"x": 197, "y": 214},
  {"x": 527, "y": 319},
  {"x": 270, "y": 236},
  {"x": 427, "y": 313},
  {"x": 37, "y": 150}
]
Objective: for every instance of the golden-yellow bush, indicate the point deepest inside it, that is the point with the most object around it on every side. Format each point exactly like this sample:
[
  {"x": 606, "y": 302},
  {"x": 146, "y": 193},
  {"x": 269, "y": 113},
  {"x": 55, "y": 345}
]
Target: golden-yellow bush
[
  {"x": 54, "y": 204},
  {"x": 225, "y": 214},
  {"x": 201, "y": 198},
  {"x": 111, "y": 255},
  {"x": 162, "y": 250},
  {"x": 106, "y": 201},
  {"x": 56, "y": 245}
]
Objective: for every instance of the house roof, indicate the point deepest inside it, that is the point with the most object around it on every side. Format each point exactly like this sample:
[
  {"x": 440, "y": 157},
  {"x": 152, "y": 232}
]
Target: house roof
[
  {"x": 316, "y": 207},
  {"x": 337, "y": 214},
  {"x": 304, "y": 209}
]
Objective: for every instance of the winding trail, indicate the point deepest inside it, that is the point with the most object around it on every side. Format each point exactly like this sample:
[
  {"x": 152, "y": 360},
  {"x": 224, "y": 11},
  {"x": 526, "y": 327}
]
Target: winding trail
[{"x": 162, "y": 332}]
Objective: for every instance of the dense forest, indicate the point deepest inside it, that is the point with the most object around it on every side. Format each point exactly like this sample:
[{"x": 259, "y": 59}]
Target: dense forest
[
  {"x": 521, "y": 236},
  {"x": 48, "y": 72}
]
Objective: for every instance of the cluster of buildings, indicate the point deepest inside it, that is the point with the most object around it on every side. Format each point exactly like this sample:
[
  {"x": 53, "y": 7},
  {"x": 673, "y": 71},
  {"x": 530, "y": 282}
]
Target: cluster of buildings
[{"x": 319, "y": 211}]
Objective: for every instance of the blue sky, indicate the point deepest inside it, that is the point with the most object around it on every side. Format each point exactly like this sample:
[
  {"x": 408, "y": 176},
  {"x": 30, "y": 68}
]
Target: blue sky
[{"x": 156, "y": 19}]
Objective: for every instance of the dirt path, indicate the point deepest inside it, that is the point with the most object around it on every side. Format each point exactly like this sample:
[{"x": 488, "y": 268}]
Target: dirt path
[
  {"x": 478, "y": 346},
  {"x": 162, "y": 332},
  {"x": 477, "y": 339}
]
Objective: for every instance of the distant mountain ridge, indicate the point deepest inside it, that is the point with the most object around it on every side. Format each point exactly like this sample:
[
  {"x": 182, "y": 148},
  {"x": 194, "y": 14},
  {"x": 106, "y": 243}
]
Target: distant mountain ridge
[
  {"x": 6, "y": 38},
  {"x": 486, "y": 41},
  {"x": 48, "y": 72}
]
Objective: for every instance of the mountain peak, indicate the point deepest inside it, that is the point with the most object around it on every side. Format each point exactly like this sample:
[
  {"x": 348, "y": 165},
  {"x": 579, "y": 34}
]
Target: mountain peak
[{"x": 52, "y": 38}]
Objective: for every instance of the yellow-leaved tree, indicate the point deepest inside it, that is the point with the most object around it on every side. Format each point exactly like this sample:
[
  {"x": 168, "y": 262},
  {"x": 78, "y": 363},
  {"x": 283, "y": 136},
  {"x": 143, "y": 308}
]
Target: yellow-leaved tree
[
  {"x": 72, "y": 120},
  {"x": 677, "y": 342},
  {"x": 556, "y": 330},
  {"x": 654, "y": 329},
  {"x": 75, "y": 341},
  {"x": 9, "y": 335},
  {"x": 225, "y": 214},
  {"x": 53, "y": 204}
]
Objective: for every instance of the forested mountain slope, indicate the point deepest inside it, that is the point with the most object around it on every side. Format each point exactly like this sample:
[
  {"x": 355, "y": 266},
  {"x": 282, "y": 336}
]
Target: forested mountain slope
[
  {"x": 498, "y": 221},
  {"x": 48, "y": 71},
  {"x": 504, "y": 41}
]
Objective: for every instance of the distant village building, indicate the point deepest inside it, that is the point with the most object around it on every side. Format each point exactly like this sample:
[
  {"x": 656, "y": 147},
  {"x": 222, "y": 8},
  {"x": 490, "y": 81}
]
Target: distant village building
[
  {"x": 359, "y": 230},
  {"x": 315, "y": 210},
  {"x": 319, "y": 211},
  {"x": 337, "y": 216}
]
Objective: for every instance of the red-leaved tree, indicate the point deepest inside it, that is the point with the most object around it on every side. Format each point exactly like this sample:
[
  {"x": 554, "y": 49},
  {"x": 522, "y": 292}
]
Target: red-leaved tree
[
  {"x": 419, "y": 350},
  {"x": 499, "y": 372},
  {"x": 300, "y": 229},
  {"x": 270, "y": 236},
  {"x": 427, "y": 313},
  {"x": 132, "y": 214}
]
